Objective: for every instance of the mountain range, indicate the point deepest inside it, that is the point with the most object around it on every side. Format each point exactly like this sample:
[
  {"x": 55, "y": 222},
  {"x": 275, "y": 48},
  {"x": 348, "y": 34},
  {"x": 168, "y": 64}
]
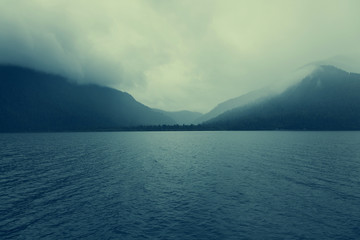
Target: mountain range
[
  {"x": 38, "y": 101},
  {"x": 327, "y": 99}
]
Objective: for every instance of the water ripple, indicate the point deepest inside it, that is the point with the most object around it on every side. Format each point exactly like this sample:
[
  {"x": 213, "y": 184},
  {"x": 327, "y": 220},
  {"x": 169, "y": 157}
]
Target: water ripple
[{"x": 180, "y": 185}]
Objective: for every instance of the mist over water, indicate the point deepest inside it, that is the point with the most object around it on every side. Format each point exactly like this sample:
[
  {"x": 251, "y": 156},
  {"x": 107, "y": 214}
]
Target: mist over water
[{"x": 180, "y": 185}]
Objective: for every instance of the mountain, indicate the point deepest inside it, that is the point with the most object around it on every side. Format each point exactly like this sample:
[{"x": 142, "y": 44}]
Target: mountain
[
  {"x": 37, "y": 101},
  {"x": 249, "y": 98},
  {"x": 182, "y": 117},
  {"x": 327, "y": 99}
]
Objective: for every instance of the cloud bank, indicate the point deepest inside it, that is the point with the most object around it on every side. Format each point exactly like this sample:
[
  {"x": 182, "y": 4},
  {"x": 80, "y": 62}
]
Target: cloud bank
[{"x": 179, "y": 54}]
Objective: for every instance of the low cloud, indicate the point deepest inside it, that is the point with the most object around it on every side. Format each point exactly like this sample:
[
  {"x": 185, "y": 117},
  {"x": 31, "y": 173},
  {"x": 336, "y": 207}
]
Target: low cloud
[{"x": 179, "y": 54}]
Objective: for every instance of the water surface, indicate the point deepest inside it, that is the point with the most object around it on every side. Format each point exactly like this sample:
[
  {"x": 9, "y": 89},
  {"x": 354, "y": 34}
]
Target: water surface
[{"x": 180, "y": 185}]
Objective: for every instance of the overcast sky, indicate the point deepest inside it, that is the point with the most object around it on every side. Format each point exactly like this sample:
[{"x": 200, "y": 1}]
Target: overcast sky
[{"x": 179, "y": 54}]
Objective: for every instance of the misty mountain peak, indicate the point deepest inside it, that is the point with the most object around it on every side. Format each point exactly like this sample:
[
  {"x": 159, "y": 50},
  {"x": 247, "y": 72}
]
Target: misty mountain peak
[
  {"x": 328, "y": 70},
  {"x": 327, "y": 99}
]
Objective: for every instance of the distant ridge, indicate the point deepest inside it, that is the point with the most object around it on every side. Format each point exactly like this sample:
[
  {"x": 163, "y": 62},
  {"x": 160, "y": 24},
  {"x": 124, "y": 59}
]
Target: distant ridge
[
  {"x": 37, "y": 101},
  {"x": 182, "y": 117},
  {"x": 327, "y": 99},
  {"x": 248, "y": 98}
]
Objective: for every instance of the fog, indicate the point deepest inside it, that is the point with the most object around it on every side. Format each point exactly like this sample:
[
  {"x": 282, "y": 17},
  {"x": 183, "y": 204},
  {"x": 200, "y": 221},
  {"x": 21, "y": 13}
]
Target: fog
[{"x": 176, "y": 55}]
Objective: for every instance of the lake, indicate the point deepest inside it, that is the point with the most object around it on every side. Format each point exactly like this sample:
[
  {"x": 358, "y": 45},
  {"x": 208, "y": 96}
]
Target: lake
[{"x": 180, "y": 185}]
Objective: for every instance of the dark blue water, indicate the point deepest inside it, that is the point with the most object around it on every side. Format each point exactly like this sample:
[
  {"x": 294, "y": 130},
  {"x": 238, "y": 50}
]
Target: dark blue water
[{"x": 180, "y": 185}]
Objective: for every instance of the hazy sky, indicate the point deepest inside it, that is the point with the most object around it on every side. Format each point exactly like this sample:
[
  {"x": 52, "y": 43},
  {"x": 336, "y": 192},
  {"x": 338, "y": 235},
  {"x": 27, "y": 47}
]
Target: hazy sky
[{"x": 179, "y": 54}]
